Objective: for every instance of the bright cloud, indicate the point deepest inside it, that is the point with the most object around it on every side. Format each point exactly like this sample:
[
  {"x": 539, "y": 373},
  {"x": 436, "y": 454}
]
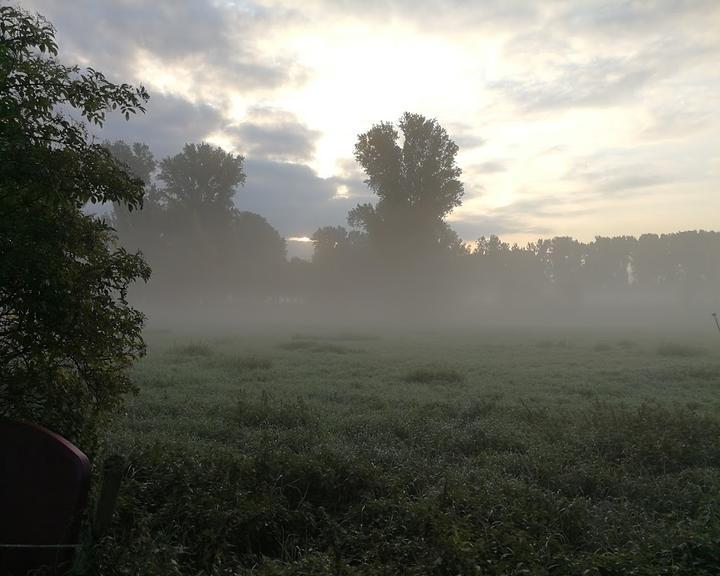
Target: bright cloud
[{"x": 573, "y": 118}]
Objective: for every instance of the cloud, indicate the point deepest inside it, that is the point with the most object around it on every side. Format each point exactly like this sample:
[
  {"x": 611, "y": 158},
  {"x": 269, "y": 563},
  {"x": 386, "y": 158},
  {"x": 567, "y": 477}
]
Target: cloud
[
  {"x": 490, "y": 167},
  {"x": 430, "y": 15},
  {"x": 169, "y": 123},
  {"x": 643, "y": 74},
  {"x": 497, "y": 223},
  {"x": 212, "y": 41},
  {"x": 536, "y": 215},
  {"x": 600, "y": 82},
  {"x": 274, "y": 134},
  {"x": 293, "y": 198},
  {"x": 629, "y": 18},
  {"x": 610, "y": 175},
  {"x": 599, "y": 54},
  {"x": 678, "y": 122},
  {"x": 464, "y": 136}
]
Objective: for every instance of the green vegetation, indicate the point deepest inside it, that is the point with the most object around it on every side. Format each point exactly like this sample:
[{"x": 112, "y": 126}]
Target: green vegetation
[
  {"x": 427, "y": 375},
  {"x": 67, "y": 331},
  {"x": 676, "y": 349},
  {"x": 463, "y": 453}
]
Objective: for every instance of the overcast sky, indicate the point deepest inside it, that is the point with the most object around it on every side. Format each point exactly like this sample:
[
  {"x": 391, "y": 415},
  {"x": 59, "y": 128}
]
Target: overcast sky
[{"x": 576, "y": 118}]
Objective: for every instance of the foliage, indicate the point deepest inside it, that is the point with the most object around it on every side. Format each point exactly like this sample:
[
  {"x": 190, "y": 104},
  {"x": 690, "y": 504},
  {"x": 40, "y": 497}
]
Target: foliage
[
  {"x": 67, "y": 333},
  {"x": 433, "y": 375},
  {"x": 417, "y": 184},
  {"x": 137, "y": 159},
  {"x": 201, "y": 177},
  {"x": 539, "y": 461},
  {"x": 328, "y": 243},
  {"x": 201, "y": 247}
]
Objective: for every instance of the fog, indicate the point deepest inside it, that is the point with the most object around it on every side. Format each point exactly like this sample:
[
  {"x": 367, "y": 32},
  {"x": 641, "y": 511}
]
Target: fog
[{"x": 399, "y": 265}]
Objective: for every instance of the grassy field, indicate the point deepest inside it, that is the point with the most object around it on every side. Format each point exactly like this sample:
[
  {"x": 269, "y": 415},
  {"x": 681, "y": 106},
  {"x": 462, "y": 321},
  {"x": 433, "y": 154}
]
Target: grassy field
[{"x": 424, "y": 453}]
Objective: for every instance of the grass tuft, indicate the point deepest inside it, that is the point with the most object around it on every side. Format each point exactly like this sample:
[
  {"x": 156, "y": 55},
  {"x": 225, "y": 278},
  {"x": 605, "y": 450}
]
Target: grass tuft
[{"x": 433, "y": 376}]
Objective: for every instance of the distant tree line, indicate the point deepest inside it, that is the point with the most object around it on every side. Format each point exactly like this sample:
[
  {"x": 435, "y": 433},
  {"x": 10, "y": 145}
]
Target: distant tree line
[{"x": 398, "y": 254}]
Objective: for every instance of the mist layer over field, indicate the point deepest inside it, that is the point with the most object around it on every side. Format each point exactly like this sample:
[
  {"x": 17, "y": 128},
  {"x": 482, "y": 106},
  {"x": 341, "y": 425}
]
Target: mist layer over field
[{"x": 513, "y": 288}]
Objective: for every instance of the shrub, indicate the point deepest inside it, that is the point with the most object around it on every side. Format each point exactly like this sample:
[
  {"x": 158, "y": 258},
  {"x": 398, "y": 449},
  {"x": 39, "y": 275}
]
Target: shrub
[{"x": 68, "y": 332}]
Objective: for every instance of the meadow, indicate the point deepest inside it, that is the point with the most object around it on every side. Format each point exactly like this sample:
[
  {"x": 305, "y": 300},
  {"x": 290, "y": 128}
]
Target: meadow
[{"x": 463, "y": 452}]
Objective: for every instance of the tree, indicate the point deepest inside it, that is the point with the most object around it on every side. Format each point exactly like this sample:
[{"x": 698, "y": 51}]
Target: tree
[
  {"x": 416, "y": 181},
  {"x": 202, "y": 177},
  {"x": 138, "y": 229},
  {"x": 137, "y": 159},
  {"x": 256, "y": 255},
  {"x": 202, "y": 248},
  {"x": 328, "y": 243},
  {"x": 67, "y": 332}
]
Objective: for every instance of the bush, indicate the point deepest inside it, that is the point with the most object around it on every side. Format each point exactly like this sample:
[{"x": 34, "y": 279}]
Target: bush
[{"x": 68, "y": 332}]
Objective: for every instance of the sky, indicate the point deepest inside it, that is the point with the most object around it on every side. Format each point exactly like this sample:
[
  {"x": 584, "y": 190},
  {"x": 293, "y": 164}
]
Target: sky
[{"x": 578, "y": 118}]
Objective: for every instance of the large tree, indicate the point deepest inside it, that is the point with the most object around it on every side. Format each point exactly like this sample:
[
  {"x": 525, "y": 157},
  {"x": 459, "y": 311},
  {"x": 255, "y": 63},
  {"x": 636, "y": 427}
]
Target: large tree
[
  {"x": 67, "y": 333},
  {"x": 139, "y": 229},
  {"x": 202, "y": 178},
  {"x": 413, "y": 172},
  {"x": 202, "y": 248}
]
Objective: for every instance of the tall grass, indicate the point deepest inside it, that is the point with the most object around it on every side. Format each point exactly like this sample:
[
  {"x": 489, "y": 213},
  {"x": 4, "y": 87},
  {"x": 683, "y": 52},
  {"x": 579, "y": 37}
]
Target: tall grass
[{"x": 332, "y": 463}]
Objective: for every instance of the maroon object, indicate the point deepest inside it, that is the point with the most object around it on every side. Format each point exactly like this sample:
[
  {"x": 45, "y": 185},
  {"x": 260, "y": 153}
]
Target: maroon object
[{"x": 44, "y": 482}]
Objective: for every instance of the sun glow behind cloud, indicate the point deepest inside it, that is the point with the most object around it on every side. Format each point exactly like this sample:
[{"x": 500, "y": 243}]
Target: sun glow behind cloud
[
  {"x": 364, "y": 74},
  {"x": 568, "y": 115}
]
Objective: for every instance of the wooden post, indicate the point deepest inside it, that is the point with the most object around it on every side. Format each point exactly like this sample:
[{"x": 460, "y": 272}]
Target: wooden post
[{"x": 112, "y": 474}]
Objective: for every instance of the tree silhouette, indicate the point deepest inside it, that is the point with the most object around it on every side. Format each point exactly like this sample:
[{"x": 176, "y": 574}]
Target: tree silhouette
[
  {"x": 202, "y": 177},
  {"x": 202, "y": 248},
  {"x": 137, "y": 159},
  {"x": 139, "y": 230},
  {"x": 416, "y": 181},
  {"x": 67, "y": 332},
  {"x": 328, "y": 243}
]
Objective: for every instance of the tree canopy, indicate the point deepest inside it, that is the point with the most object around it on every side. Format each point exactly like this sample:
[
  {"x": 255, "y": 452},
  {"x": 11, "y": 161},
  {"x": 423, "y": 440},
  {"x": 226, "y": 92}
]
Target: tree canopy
[
  {"x": 413, "y": 172},
  {"x": 67, "y": 332},
  {"x": 202, "y": 177},
  {"x": 202, "y": 248}
]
